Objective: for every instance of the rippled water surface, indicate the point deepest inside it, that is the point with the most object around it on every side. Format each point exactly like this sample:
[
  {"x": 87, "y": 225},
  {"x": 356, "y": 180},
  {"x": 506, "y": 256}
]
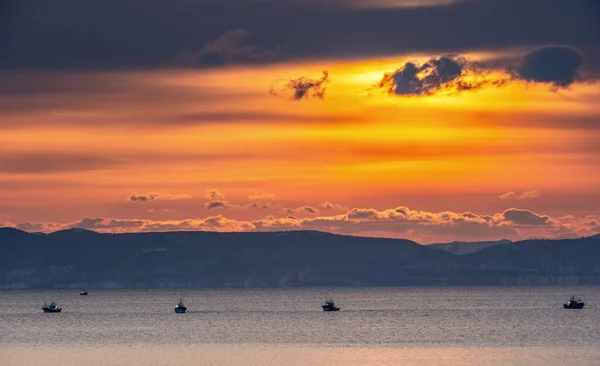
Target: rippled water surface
[{"x": 383, "y": 326}]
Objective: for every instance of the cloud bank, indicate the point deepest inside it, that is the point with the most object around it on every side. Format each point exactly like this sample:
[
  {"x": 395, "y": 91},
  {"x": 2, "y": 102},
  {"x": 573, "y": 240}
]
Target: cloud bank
[{"x": 401, "y": 221}]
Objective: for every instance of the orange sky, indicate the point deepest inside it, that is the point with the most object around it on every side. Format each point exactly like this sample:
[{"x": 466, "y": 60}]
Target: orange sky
[{"x": 81, "y": 151}]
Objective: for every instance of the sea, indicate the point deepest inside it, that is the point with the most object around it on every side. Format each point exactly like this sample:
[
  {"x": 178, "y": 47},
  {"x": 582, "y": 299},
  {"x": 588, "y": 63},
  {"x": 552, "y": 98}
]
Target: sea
[{"x": 277, "y": 327}]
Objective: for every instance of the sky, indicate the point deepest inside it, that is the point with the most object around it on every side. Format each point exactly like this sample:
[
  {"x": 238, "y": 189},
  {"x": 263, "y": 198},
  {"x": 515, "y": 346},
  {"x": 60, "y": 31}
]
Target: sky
[{"x": 433, "y": 120}]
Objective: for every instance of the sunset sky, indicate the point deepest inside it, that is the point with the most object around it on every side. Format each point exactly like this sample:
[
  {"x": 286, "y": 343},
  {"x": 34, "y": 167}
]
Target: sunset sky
[{"x": 432, "y": 120}]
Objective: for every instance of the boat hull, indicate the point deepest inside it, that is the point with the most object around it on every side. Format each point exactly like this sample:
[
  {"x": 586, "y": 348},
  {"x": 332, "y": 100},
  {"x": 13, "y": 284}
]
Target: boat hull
[
  {"x": 180, "y": 310},
  {"x": 47, "y": 310},
  {"x": 330, "y": 308},
  {"x": 574, "y": 306}
]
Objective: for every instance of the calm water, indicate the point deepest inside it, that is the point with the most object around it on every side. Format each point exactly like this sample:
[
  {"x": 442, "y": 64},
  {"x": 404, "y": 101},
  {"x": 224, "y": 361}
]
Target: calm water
[{"x": 386, "y": 326}]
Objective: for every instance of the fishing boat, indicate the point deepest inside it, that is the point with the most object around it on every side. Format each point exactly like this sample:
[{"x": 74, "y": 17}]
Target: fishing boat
[
  {"x": 180, "y": 308},
  {"x": 51, "y": 308},
  {"x": 574, "y": 303},
  {"x": 329, "y": 306},
  {"x": 83, "y": 293}
]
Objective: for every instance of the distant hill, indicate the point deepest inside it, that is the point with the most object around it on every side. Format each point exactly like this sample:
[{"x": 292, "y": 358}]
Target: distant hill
[
  {"x": 465, "y": 247},
  {"x": 86, "y": 259}
]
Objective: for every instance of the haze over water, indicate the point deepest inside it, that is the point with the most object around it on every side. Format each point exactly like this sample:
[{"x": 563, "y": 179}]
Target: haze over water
[{"x": 384, "y": 326}]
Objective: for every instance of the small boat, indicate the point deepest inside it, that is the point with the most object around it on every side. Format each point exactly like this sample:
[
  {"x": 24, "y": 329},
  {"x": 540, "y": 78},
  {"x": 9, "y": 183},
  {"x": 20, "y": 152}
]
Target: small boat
[
  {"x": 52, "y": 308},
  {"x": 329, "y": 306},
  {"x": 83, "y": 293},
  {"x": 180, "y": 308},
  {"x": 574, "y": 303}
]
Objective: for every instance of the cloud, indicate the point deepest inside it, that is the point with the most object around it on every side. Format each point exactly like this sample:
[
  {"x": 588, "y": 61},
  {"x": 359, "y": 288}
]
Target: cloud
[
  {"x": 39, "y": 226},
  {"x": 422, "y": 226},
  {"x": 255, "y": 205},
  {"x": 97, "y": 41},
  {"x": 530, "y": 195},
  {"x": 216, "y": 200},
  {"x": 523, "y": 196},
  {"x": 304, "y": 88},
  {"x": 262, "y": 201},
  {"x": 507, "y": 195},
  {"x": 331, "y": 206},
  {"x": 107, "y": 223},
  {"x": 556, "y": 65},
  {"x": 134, "y": 197},
  {"x": 216, "y": 204},
  {"x": 415, "y": 79},
  {"x": 261, "y": 197},
  {"x": 230, "y": 48},
  {"x": 449, "y": 74},
  {"x": 214, "y": 195},
  {"x": 525, "y": 218},
  {"x": 147, "y": 197},
  {"x": 301, "y": 210}
]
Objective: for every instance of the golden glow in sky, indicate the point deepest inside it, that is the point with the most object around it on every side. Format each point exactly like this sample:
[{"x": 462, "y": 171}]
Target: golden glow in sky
[{"x": 82, "y": 151}]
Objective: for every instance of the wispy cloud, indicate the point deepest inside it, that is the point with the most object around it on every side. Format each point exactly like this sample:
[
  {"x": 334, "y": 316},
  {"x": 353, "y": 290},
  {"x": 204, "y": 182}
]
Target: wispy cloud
[
  {"x": 530, "y": 195},
  {"x": 231, "y": 47},
  {"x": 526, "y": 195},
  {"x": 152, "y": 196},
  {"x": 303, "y": 88}
]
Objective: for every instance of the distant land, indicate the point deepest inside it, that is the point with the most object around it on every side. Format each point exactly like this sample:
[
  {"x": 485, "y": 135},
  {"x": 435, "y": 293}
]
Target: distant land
[
  {"x": 466, "y": 247},
  {"x": 79, "y": 259}
]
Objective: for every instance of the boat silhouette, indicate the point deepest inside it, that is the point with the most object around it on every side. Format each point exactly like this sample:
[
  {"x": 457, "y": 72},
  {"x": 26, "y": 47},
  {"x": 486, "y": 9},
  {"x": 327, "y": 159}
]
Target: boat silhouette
[
  {"x": 51, "y": 308},
  {"x": 329, "y": 306},
  {"x": 574, "y": 303},
  {"x": 180, "y": 308}
]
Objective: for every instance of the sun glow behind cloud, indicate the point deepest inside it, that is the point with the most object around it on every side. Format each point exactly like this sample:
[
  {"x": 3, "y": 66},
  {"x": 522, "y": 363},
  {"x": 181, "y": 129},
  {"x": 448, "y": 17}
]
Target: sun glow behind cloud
[{"x": 82, "y": 152}]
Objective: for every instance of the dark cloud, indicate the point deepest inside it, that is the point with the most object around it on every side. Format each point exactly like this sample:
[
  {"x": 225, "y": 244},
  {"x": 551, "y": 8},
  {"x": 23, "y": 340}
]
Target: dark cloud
[
  {"x": 67, "y": 34},
  {"x": 134, "y": 197},
  {"x": 216, "y": 199},
  {"x": 255, "y": 205},
  {"x": 216, "y": 204},
  {"x": 415, "y": 79},
  {"x": 146, "y": 197},
  {"x": 301, "y": 210},
  {"x": 525, "y": 217},
  {"x": 230, "y": 48},
  {"x": 304, "y": 88},
  {"x": 556, "y": 65}
]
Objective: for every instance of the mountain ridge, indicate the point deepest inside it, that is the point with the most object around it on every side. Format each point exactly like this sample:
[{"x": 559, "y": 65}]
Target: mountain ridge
[{"x": 195, "y": 259}]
